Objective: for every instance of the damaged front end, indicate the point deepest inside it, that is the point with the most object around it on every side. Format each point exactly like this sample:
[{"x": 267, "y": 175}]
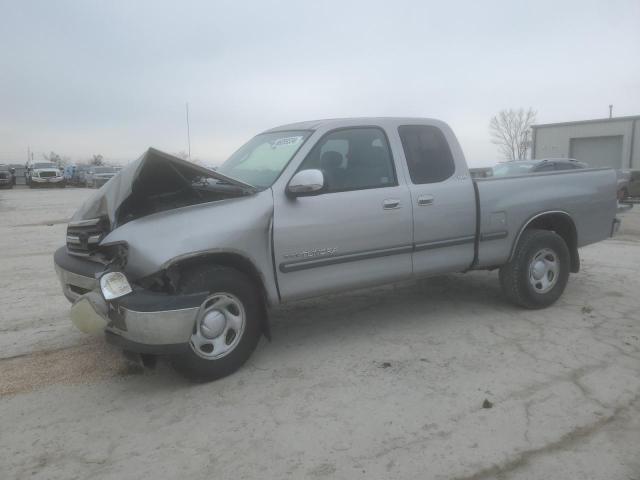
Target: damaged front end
[
  {"x": 141, "y": 313},
  {"x": 153, "y": 183}
]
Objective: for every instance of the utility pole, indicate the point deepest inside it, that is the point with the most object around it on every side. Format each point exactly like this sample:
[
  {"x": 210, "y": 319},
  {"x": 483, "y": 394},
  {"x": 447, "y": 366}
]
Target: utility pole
[
  {"x": 188, "y": 132},
  {"x": 610, "y": 111}
]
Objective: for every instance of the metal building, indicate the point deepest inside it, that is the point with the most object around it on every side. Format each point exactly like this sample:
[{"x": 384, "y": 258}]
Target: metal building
[{"x": 605, "y": 142}]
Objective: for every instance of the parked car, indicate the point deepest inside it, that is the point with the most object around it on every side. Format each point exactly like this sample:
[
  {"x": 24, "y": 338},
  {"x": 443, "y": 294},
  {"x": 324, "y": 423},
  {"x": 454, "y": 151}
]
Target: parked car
[
  {"x": 81, "y": 174},
  {"x": 633, "y": 186},
  {"x": 96, "y": 177},
  {"x": 7, "y": 176},
  {"x": 628, "y": 184},
  {"x": 481, "y": 172},
  {"x": 70, "y": 174},
  {"x": 524, "y": 167},
  {"x": 173, "y": 258},
  {"x": 75, "y": 174},
  {"x": 41, "y": 174},
  {"x": 623, "y": 184}
]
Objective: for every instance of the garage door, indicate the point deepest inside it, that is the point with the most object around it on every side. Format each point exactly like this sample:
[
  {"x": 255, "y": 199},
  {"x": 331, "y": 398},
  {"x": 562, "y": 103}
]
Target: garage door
[{"x": 597, "y": 151}]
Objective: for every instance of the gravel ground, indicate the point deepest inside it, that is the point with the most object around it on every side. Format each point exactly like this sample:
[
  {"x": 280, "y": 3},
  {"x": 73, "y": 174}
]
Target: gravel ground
[{"x": 432, "y": 379}]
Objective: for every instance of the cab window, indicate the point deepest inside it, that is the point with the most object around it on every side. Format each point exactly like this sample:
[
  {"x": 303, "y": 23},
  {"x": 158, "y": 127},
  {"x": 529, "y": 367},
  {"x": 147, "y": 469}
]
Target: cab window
[
  {"x": 427, "y": 152},
  {"x": 353, "y": 159}
]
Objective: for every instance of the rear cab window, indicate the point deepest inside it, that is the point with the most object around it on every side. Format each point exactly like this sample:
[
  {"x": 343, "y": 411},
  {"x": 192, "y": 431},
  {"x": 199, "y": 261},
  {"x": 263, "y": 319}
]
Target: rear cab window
[
  {"x": 546, "y": 167},
  {"x": 429, "y": 158}
]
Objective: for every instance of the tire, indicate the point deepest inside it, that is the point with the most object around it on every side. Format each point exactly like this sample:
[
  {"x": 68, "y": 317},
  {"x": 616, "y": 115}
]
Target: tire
[
  {"x": 526, "y": 280},
  {"x": 223, "y": 284}
]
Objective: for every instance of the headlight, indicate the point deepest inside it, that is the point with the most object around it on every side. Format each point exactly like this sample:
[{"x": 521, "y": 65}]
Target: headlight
[{"x": 114, "y": 285}]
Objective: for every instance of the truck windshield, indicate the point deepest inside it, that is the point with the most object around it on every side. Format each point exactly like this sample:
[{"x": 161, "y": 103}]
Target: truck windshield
[{"x": 260, "y": 161}]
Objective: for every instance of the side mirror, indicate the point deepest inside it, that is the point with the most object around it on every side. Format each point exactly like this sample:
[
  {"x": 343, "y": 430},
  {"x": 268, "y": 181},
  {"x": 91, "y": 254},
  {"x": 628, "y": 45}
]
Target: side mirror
[
  {"x": 12, "y": 170},
  {"x": 306, "y": 183}
]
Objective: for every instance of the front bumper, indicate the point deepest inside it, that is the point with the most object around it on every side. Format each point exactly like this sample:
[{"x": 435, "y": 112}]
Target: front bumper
[
  {"x": 44, "y": 180},
  {"x": 142, "y": 321}
]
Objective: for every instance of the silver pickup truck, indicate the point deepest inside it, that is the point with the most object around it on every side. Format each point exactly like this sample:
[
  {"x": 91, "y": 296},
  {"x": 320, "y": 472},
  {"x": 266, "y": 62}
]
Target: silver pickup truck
[{"x": 172, "y": 258}]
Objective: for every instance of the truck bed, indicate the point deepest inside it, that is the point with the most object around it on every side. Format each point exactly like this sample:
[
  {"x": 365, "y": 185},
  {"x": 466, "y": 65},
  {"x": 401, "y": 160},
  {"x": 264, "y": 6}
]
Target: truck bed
[{"x": 507, "y": 204}]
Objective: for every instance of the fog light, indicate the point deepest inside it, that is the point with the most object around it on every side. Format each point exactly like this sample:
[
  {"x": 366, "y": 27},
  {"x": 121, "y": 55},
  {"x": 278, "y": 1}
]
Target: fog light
[{"x": 114, "y": 285}]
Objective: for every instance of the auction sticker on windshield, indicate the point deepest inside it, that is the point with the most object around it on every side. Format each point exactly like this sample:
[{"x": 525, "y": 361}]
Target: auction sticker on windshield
[{"x": 286, "y": 141}]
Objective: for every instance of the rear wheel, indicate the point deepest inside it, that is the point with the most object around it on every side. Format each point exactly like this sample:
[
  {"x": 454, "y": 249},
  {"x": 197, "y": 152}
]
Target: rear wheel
[
  {"x": 538, "y": 273},
  {"x": 227, "y": 327}
]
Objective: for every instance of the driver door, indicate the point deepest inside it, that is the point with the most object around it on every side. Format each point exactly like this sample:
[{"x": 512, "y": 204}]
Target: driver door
[{"x": 357, "y": 233}]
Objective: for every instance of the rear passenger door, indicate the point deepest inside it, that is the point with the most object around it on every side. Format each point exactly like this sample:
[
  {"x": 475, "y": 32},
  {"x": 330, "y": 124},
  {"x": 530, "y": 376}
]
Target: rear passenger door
[
  {"x": 355, "y": 234},
  {"x": 443, "y": 202}
]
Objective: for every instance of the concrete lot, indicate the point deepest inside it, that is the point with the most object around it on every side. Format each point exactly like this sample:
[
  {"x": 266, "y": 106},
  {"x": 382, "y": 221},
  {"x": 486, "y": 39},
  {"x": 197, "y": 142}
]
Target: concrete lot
[{"x": 384, "y": 383}]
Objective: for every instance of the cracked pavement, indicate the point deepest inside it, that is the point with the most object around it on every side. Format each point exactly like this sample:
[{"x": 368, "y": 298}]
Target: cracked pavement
[{"x": 383, "y": 383}]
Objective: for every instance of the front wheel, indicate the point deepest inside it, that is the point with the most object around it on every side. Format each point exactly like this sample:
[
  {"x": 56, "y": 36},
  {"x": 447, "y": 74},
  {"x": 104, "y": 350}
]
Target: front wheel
[
  {"x": 228, "y": 324},
  {"x": 539, "y": 271}
]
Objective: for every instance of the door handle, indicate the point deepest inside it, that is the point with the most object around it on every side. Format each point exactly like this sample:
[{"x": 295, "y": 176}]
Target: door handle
[
  {"x": 424, "y": 200},
  {"x": 391, "y": 203}
]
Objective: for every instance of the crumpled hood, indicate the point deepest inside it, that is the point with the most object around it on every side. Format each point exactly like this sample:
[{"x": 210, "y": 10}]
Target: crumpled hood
[
  {"x": 157, "y": 181},
  {"x": 107, "y": 199}
]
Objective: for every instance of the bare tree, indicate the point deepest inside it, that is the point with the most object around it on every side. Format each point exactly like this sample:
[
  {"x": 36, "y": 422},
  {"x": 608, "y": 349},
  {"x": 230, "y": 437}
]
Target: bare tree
[
  {"x": 53, "y": 157},
  {"x": 510, "y": 130},
  {"x": 96, "y": 160}
]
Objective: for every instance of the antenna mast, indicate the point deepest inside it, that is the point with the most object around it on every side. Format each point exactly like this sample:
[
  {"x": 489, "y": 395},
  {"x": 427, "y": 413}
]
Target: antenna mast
[{"x": 188, "y": 132}]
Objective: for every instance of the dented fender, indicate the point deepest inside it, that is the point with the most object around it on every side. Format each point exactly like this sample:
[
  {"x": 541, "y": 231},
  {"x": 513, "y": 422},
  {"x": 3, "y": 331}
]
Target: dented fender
[{"x": 239, "y": 226}]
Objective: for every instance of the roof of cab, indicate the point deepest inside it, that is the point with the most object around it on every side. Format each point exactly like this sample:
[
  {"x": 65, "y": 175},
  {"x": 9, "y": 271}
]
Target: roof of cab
[{"x": 340, "y": 122}]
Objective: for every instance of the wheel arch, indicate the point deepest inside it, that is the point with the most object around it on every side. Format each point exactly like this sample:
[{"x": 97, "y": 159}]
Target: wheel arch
[
  {"x": 234, "y": 260},
  {"x": 557, "y": 221}
]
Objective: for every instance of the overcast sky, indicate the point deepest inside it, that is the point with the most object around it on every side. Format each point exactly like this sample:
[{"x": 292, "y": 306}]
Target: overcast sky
[{"x": 89, "y": 77}]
